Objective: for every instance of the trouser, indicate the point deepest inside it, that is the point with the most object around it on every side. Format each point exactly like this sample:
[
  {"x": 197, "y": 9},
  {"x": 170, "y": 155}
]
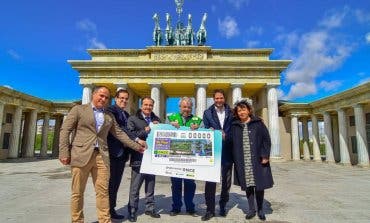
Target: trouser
[
  {"x": 137, "y": 180},
  {"x": 117, "y": 165},
  {"x": 100, "y": 177},
  {"x": 189, "y": 192},
  {"x": 210, "y": 189},
  {"x": 251, "y": 191}
]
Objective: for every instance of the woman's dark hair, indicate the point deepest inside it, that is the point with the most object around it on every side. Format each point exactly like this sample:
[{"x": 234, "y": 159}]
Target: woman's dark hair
[{"x": 242, "y": 104}]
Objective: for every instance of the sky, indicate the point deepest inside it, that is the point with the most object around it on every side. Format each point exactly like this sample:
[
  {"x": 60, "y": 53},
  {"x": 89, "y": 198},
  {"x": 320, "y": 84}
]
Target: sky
[{"x": 328, "y": 41}]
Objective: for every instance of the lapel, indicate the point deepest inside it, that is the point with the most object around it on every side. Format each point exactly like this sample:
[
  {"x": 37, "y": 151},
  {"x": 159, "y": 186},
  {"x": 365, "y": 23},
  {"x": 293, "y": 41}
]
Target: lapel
[
  {"x": 88, "y": 114},
  {"x": 215, "y": 117}
]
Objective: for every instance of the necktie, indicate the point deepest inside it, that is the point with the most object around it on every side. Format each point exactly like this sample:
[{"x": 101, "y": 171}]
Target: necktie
[{"x": 147, "y": 119}]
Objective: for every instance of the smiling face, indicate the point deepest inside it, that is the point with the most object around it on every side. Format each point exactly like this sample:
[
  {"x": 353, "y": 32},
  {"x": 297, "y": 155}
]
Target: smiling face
[
  {"x": 122, "y": 100},
  {"x": 147, "y": 106},
  {"x": 219, "y": 100},
  {"x": 100, "y": 97},
  {"x": 185, "y": 108},
  {"x": 243, "y": 113}
]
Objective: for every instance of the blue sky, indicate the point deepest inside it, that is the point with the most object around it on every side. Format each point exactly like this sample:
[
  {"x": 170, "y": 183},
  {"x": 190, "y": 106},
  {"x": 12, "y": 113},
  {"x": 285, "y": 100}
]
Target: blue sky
[{"x": 328, "y": 40}]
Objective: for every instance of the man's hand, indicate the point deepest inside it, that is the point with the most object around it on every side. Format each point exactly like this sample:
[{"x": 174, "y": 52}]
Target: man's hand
[
  {"x": 147, "y": 129},
  {"x": 223, "y": 135},
  {"x": 65, "y": 160},
  {"x": 142, "y": 143},
  {"x": 265, "y": 160},
  {"x": 155, "y": 122},
  {"x": 175, "y": 124},
  {"x": 194, "y": 126}
]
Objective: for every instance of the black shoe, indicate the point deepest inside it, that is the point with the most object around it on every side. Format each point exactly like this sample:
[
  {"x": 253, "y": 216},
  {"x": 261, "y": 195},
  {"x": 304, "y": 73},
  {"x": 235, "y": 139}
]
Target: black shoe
[
  {"x": 261, "y": 215},
  {"x": 152, "y": 214},
  {"x": 114, "y": 215},
  {"x": 250, "y": 215},
  {"x": 132, "y": 217},
  {"x": 192, "y": 213},
  {"x": 207, "y": 216},
  {"x": 223, "y": 212},
  {"x": 174, "y": 212}
]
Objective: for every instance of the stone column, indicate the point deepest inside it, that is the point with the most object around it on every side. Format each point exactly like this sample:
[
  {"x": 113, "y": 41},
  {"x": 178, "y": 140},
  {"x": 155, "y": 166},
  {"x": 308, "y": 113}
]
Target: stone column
[
  {"x": 87, "y": 93},
  {"x": 16, "y": 130},
  {"x": 328, "y": 138},
  {"x": 30, "y": 134},
  {"x": 295, "y": 138},
  {"x": 58, "y": 125},
  {"x": 273, "y": 118},
  {"x": 362, "y": 152},
  {"x": 306, "y": 147},
  {"x": 335, "y": 127},
  {"x": 155, "y": 94},
  {"x": 44, "y": 139},
  {"x": 1, "y": 122},
  {"x": 201, "y": 99},
  {"x": 236, "y": 92},
  {"x": 315, "y": 139},
  {"x": 343, "y": 138}
]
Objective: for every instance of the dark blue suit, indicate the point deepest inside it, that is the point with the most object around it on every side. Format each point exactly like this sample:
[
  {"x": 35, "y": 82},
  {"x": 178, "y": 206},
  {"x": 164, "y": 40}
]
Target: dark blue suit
[
  {"x": 118, "y": 154},
  {"x": 211, "y": 120}
]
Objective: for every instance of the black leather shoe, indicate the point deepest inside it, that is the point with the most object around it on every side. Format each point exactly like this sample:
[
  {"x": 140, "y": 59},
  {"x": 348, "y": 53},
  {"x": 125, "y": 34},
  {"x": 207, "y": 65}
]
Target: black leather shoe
[
  {"x": 261, "y": 215},
  {"x": 174, "y": 213},
  {"x": 207, "y": 216},
  {"x": 132, "y": 217},
  {"x": 114, "y": 215},
  {"x": 250, "y": 215},
  {"x": 152, "y": 214},
  {"x": 223, "y": 212},
  {"x": 192, "y": 213}
]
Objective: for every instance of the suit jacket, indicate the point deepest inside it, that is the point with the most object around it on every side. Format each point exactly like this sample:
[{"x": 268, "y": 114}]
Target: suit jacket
[
  {"x": 116, "y": 148},
  {"x": 210, "y": 120},
  {"x": 136, "y": 125},
  {"x": 80, "y": 147}
]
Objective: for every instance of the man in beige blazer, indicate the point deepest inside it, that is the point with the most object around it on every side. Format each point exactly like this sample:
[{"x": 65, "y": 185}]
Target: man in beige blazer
[{"x": 83, "y": 145}]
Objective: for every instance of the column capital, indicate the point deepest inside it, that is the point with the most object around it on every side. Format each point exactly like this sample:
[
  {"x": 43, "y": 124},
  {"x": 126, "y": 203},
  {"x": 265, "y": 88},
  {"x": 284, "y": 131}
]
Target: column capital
[
  {"x": 268, "y": 86},
  {"x": 88, "y": 85},
  {"x": 201, "y": 85},
  {"x": 235, "y": 85},
  {"x": 358, "y": 105},
  {"x": 155, "y": 84},
  {"x": 121, "y": 86}
]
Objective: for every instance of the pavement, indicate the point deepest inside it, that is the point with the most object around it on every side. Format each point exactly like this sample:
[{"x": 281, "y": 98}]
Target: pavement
[{"x": 38, "y": 190}]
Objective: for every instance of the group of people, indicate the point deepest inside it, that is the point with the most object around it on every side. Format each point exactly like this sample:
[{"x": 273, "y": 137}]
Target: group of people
[{"x": 99, "y": 139}]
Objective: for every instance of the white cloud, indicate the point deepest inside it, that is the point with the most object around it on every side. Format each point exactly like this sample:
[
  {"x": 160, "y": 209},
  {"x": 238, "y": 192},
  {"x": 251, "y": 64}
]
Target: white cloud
[
  {"x": 313, "y": 54},
  {"x": 86, "y": 25},
  {"x": 256, "y": 29},
  {"x": 301, "y": 89},
  {"x": 362, "y": 16},
  {"x": 367, "y": 37},
  {"x": 238, "y": 3},
  {"x": 335, "y": 19},
  {"x": 13, "y": 54},
  {"x": 253, "y": 43},
  {"x": 94, "y": 43},
  {"x": 228, "y": 27},
  {"x": 8, "y": 86},
  {"x": 280, "y": 94},
  {"x": 91, "y": 31},
  {"x": 330, "y": 85}
]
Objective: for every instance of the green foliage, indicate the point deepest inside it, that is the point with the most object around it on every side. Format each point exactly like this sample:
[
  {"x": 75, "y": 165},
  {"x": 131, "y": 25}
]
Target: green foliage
[{"x": 39, "y": 138}]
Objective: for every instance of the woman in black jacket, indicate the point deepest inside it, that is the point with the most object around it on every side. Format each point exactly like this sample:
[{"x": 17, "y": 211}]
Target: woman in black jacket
[{"x": 251, "y": 152}]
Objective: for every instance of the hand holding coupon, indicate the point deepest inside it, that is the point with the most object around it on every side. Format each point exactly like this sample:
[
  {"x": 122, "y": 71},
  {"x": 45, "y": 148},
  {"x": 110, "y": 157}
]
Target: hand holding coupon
[{"x": 183, "y": 152}]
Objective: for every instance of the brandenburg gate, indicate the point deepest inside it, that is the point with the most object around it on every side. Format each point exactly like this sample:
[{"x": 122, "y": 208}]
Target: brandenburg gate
[{"x": 194, "y": 71}]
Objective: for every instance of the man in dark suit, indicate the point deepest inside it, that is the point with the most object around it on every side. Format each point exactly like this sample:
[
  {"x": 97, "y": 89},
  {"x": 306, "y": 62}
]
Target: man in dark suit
[
  {"x": 138, "y": 124},
  {"x": 83, "y": 145},
  {"x": 118, "y": 153},
  {"x": 219, "y": 117}
]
